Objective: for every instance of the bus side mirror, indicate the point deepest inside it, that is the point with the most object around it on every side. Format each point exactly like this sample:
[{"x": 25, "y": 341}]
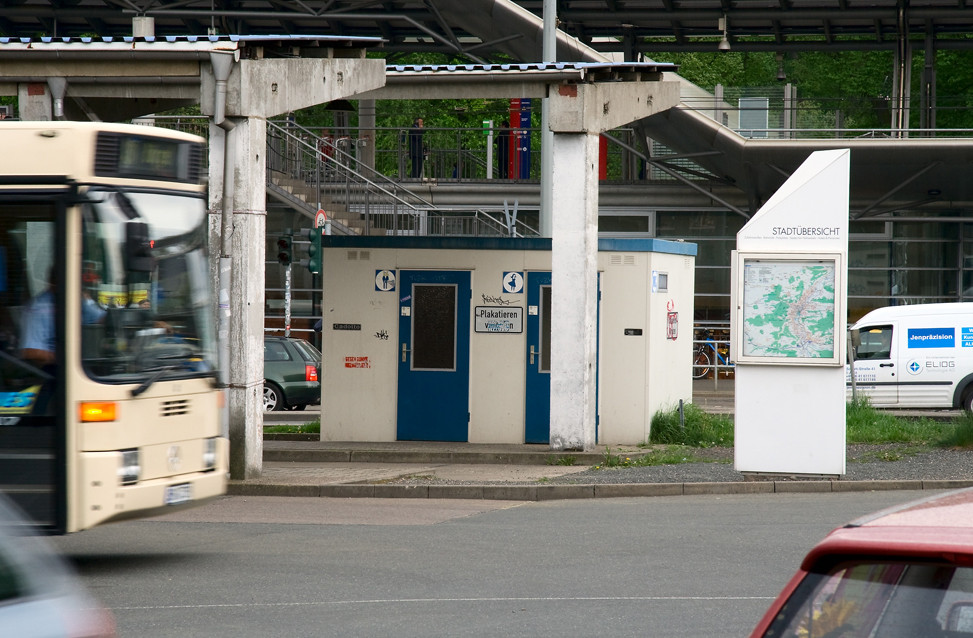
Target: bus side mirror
[{"x": 138, "y": 247}]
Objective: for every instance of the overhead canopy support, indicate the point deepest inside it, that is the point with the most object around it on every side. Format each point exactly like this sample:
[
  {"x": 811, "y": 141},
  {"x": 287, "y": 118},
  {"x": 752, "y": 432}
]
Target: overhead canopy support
[{"x": 579, "y": 113}]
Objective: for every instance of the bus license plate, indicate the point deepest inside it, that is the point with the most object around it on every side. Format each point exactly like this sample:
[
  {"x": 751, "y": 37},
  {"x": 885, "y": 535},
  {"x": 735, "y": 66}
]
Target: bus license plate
[{"x": 176, "y": 494}]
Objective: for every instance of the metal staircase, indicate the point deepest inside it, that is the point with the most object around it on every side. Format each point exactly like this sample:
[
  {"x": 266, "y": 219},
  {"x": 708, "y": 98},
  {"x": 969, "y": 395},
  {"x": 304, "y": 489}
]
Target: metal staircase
[{"x": 307, "y": 172}]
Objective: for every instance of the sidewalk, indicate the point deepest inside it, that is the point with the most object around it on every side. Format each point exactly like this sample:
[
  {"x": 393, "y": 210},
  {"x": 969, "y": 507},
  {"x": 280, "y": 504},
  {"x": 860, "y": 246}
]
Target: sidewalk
[{"x": 296, "y": 465}]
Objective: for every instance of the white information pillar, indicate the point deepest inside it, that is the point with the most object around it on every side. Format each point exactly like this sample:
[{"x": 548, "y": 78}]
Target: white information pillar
[
  {"x": 789, "y": 319},
  {"x": 578, "y": 115}
]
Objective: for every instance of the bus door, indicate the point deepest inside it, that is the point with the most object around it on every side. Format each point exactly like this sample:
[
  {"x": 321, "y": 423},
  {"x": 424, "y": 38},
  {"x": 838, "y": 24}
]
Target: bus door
[
  {"x": 537, "y": 404},
  {"x": 876, "y": 374},
  {"x": 434, "y": 356},
  {"x": 32, "y": 383}
]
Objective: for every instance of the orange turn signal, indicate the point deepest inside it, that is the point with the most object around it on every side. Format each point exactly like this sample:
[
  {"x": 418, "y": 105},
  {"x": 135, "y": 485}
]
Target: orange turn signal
[{"x": 97, "y": 411}]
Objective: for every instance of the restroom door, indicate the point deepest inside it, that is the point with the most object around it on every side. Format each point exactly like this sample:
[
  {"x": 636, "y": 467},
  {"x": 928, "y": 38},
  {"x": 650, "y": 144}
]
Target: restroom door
[
  {"x": 537, "y": 416},
  {"x": 434, "y": 356}
]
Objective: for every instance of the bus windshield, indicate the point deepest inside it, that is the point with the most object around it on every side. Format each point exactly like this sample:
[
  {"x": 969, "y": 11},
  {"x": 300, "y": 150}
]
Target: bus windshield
[{"x": 146, "y": 309}]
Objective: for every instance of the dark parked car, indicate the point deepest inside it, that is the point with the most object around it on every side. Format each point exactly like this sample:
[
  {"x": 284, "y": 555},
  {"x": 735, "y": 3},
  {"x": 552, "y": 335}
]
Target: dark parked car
[
  {"x": 291, "y": 372},
  {"x": 904, "y": 572}
]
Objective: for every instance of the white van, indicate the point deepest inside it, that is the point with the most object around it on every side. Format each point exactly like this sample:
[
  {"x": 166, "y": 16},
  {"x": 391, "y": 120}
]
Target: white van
[{"x": 918, "y": 356}]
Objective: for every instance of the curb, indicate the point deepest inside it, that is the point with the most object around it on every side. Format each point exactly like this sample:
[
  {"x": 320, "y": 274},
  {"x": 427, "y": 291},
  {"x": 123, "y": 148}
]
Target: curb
[
  {"x": 497, "y": 492},
  {"x": 433, "y": 457}
]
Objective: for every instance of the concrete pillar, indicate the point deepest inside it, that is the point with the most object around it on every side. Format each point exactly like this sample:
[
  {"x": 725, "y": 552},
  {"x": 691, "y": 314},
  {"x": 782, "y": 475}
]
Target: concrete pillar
[
  {"x": 257, "y": 89},
  {"x": 34, "y": 102},
  {"x": 574, "y": 301},
  {"x": 366, "y": 132},
  {"x": 578, "y": 115},
  {"x": 245, "y": 392}
]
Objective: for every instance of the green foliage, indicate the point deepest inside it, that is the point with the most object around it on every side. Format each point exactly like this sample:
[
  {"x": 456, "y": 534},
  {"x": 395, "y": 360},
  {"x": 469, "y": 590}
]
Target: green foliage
[
  {"x": 961, "y": 433},
  {"x": 311, "y": 427},
  {"x": 562, "y": 460},
  {"x": 729, "y": 69},
  {"x": 664, "y": 455},
  {"x": 865, "y": 424},
  {"x": 697, "y": 429},
  {"x": 954, "y": 88}
]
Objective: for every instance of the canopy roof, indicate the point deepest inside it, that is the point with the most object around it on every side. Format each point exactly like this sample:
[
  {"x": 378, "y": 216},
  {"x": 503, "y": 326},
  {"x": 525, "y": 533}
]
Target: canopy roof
[{"x": 482, "y": 29}]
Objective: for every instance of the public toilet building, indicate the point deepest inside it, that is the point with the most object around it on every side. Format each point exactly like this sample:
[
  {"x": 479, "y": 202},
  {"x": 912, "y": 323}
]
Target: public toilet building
[{"x": 448, "y": 339}]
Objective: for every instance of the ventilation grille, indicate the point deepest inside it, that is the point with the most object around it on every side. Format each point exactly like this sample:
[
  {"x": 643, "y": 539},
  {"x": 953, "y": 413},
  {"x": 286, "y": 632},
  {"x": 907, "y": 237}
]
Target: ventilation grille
[
  {"x": 622, "y": 260},
  {"x": 176, "y": 407},
  {"x": 106, "y": 154}
]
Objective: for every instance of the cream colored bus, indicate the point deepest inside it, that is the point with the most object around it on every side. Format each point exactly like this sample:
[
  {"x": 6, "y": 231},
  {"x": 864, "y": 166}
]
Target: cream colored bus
[{"x": 109, "y": 400}]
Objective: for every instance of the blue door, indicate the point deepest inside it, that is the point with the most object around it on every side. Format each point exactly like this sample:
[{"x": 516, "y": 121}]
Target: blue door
[
  {"x": 434, "y": 356},
  {"x": 537, "y": 415}
]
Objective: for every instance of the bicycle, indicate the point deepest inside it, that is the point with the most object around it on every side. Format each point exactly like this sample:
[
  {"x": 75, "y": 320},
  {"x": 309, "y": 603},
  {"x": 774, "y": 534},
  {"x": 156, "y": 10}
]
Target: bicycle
[{"x": 702, "y": 361}]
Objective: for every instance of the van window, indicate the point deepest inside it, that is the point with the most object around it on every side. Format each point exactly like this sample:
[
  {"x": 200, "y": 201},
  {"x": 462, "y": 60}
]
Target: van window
[{"x": 876, "y": 343}]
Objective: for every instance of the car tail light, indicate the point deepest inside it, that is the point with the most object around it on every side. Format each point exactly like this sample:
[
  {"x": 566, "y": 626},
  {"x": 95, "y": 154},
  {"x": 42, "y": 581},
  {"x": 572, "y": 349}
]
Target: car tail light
[{"x": 310, "y": 373}]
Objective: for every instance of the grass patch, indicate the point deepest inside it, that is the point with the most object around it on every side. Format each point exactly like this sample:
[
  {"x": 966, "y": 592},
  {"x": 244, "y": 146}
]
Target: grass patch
[
  {"x": 868, "y": 425},
  {"x": 311, "y": 427},
  {"x": 865, "y": 424},
  {"x": 562, "y": 460},
  {"x": 696, "y": 428},
  {"x": 664, "y": 455},
  {"x": 961, "y": 433}
]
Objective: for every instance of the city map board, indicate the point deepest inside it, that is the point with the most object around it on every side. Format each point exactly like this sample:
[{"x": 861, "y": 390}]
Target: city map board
[{"x": 789, "y": 311}]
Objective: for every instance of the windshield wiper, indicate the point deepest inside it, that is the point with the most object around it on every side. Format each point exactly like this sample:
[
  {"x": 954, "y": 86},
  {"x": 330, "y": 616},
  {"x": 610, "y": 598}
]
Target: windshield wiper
[
  {"x": 158, "y": 373},
  {"x": 145, "y": 385}
]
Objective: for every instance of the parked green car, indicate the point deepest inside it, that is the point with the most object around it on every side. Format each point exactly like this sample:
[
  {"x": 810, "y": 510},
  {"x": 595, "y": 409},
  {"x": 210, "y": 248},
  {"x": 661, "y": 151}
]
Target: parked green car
[{"x": 292, "y": 368}]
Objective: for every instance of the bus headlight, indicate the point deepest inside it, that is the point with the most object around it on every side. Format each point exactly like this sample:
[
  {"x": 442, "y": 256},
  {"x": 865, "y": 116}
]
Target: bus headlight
[
  {"x": 129, "y": 468},
  {"x": 209, "y": 455}
]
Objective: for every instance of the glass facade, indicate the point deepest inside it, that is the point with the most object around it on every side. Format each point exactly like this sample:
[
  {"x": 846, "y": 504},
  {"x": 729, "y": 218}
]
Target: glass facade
[{"x": 891, "y": 262}]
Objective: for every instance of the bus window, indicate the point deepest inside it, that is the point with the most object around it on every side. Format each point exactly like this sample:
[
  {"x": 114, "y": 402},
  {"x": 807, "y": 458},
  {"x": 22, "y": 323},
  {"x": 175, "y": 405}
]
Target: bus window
[
  {"x": 156, "y": 315},
  {"x": 28, "y": 310}
]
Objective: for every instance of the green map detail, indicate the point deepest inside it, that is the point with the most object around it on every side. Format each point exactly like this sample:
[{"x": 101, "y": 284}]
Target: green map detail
[{"x": 788, "y": 309}]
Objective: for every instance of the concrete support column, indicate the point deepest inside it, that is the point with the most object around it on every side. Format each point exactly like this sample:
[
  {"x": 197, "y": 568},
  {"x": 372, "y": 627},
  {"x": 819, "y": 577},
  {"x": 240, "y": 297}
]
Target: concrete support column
[
  {"x": 34, "y": 102},
  {"x": 366, "y": 132},
  {"x": 574, "y": 295},
  {"x": 578, "y": 114},
  {"x": 245, "y": 392}
]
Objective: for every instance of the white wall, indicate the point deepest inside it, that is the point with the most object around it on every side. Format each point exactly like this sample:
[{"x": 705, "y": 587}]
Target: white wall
[{"x": 638, "y": 374}]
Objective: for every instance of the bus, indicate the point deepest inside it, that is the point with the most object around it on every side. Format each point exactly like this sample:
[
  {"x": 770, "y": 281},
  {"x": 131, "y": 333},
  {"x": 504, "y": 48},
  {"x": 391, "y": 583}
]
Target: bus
[{"x": 110, "y": 403}]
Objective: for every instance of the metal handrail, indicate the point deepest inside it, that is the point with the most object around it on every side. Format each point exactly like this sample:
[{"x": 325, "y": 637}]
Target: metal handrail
[{"x": 337, "y": 179}]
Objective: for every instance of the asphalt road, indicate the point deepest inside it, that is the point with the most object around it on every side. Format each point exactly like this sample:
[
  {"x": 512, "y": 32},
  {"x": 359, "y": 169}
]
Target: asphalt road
[{"x": 265, "y": 566}]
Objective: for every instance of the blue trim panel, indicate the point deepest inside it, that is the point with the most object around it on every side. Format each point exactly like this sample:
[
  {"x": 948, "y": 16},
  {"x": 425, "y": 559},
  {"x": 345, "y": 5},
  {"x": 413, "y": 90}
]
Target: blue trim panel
[
  {"x": 504, "y": 243},
  {"x": 443, "y": 243},
  {"x": 647, "y": 246}
]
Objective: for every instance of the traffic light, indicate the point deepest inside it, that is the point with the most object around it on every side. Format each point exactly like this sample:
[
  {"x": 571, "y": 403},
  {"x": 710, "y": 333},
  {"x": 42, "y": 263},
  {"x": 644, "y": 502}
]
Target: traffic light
[
  {"x": 284, "y": 250},
  {"x": 314, "y": 250}
]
